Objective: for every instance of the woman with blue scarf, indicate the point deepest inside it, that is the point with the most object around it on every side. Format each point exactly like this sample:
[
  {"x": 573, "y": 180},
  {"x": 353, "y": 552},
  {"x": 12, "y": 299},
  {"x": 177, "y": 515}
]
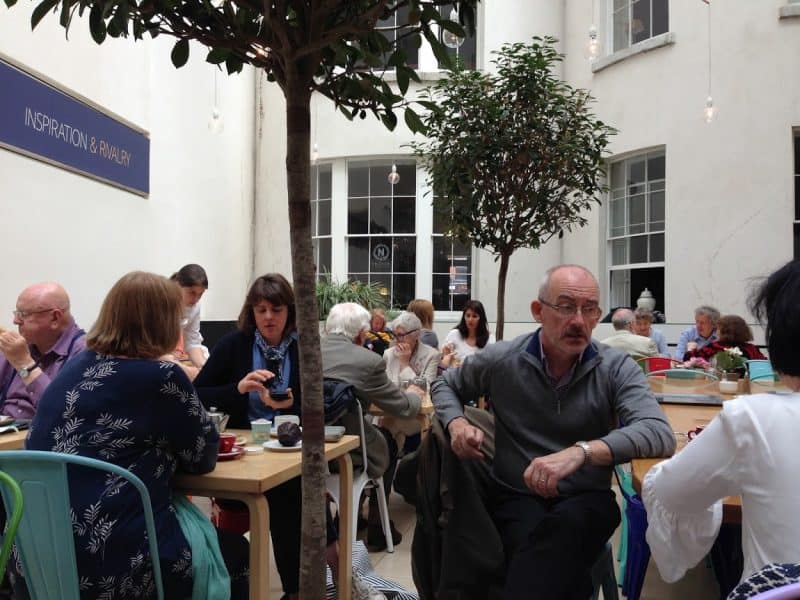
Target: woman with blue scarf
[{"x": 245, "y": 368}]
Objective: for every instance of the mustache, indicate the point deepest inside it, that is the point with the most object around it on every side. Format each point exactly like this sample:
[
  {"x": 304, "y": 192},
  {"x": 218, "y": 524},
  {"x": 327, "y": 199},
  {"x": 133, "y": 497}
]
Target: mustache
[{"x": 575, "y": 331}]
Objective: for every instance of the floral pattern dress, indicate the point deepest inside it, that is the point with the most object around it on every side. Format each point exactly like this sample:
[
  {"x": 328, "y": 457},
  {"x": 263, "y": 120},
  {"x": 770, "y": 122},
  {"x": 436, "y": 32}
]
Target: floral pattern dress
[{"x": 143, "y": 415}]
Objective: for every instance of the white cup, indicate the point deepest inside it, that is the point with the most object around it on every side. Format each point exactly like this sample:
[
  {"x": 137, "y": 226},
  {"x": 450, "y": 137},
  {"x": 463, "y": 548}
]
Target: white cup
[{"x": 277, "y": 420}]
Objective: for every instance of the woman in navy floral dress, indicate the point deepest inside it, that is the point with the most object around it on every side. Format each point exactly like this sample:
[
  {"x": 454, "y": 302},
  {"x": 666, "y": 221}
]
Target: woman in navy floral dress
[{"x": 119, "y": 403}]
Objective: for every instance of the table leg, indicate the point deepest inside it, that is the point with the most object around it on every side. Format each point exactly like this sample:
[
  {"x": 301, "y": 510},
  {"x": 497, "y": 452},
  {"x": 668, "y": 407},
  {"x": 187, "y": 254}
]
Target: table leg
[
  {"x": 259, "y": 537},
  {"x": 346, "y": 500}
]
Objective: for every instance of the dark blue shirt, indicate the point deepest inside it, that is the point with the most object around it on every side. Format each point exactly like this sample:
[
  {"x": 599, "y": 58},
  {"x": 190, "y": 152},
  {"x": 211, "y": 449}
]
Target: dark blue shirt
[{"x": 142, "y": 415}]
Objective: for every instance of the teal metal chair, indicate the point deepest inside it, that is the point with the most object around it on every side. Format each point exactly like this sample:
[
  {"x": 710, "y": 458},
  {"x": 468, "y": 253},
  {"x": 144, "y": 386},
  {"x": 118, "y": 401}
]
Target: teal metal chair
[
  {"x": 12, "y": 524},
  {"x": 760, "y": 370},
  {"x": 44, "y": 539}
]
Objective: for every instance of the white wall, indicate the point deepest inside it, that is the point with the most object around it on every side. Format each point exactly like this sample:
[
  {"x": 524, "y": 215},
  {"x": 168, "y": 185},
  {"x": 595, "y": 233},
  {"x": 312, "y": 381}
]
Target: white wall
[
  {"x": 85, "y": 234},
  {"x": 729, "y": 184}
]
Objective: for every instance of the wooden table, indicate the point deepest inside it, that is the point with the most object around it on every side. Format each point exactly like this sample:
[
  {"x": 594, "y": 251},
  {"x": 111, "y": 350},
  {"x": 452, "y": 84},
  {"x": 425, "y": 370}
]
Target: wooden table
[
  {"x": 247, "y": 478},
  {"x": 682, "y": 418},
  {"x": 13, "y": 440},
  {"x": 423, "y": 416}
]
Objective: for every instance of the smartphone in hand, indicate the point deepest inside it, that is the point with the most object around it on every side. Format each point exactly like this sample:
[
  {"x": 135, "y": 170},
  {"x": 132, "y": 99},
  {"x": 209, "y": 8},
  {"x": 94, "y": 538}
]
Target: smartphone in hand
[{"x": 279, "y": 395}]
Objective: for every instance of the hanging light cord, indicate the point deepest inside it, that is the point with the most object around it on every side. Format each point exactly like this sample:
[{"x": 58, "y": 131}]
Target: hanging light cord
[{"x": 709, "y": 48}]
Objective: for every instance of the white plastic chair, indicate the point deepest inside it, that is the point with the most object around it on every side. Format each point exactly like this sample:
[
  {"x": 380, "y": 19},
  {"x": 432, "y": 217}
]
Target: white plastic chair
[{"x": 361, "y": 481}]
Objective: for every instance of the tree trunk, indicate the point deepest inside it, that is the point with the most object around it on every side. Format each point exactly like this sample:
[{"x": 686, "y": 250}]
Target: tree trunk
[
  {"x": 312, "y": 555},
  {"x": 501, "y": 295}
]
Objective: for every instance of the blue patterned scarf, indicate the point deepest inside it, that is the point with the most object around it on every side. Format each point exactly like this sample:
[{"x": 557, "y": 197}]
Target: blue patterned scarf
[{"x": 277, "y": 360}]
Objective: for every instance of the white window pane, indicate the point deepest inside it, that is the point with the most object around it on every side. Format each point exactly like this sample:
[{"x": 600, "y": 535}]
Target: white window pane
[
  {"x": 657, "y": 247},
  {"x": 636, "y": 214},
  {"x": 618, "y": 176},
  {"x": 619, "y": 252},
  {"x": 620, "y": 288},
  {"x": 657, "y": 211},
  {"x": 638, "y": 249},
  {"x": 621, "y": 29},
  {"x": 617, "y": 218}
]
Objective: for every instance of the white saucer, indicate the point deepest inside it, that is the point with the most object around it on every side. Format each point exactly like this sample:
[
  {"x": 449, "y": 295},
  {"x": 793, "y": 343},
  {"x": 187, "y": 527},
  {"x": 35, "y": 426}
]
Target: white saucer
[{"x": 276, "y": 446}]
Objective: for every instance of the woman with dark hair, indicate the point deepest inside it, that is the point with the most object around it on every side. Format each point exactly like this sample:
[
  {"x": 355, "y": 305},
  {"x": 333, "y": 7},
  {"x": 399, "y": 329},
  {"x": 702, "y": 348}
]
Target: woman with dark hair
[
  {"x": 119, "y": 402},
  {"x": 732, "y": 332},
  {"x": 470, "y": 335},
  {"x": 748, "y": 450},
  {"x": 193, "y": 283},
  {"x": 247, "y": 367}
]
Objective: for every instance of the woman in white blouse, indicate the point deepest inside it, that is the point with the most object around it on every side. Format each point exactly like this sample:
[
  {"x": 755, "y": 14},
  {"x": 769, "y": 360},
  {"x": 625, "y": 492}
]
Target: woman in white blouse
[
  {"x": 749, "y": 450},
  {"x": 193, "y": 282},
  {"x": 470, "y": 335}
]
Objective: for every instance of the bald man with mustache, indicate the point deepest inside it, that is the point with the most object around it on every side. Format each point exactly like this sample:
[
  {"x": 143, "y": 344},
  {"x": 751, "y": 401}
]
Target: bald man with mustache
[
  {"x": 558, "y": 397},
  {"x": 47, "y": 336}
]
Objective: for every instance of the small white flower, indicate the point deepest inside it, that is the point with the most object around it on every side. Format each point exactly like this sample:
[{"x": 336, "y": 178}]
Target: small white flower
[{"x": 734, "y": 351}]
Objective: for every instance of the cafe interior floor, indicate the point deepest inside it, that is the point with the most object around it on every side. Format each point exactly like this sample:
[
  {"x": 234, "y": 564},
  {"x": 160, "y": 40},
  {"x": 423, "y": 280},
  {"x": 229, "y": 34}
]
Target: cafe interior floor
[{"x": 698, "y": 584}]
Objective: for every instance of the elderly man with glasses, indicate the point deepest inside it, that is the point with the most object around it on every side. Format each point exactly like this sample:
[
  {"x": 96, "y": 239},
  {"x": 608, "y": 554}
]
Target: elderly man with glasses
[
  {"x": 558, "y": 399},
  {"x": 47, "y": 338}
]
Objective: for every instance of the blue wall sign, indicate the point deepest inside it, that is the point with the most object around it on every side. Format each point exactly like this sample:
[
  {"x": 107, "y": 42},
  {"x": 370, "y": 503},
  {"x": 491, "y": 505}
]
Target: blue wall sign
[{"x": 38, "y": 120}]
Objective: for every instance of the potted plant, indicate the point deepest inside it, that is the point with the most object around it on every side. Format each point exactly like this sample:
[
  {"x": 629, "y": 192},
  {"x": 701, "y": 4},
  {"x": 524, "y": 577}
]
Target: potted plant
[{"x": 329, "y": 292}]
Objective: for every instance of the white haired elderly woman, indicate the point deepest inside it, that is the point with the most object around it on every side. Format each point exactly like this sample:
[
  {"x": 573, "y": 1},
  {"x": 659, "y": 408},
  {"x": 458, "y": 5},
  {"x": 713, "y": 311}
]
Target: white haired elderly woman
[{"x": 408, "y": 358}]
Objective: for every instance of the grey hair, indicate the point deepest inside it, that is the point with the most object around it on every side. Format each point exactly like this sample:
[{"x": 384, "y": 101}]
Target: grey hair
[
  {"x": 347, "y": 318},
  {"x": 622, "y": 318},
  {"x": 408, "y": 321},
  {"x": 708, "y": 311},
  {"x": 545, "y": 284},
  {"x": 641, "y": 314}
]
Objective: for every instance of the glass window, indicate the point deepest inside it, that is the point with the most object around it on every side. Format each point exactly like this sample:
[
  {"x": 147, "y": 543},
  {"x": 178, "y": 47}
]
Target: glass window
[
  {"x": 636, "y": 224},
  {"x": 381, "y": 240},
  {"x": 395, "y": 28},
  {"x": 320, "y": 192},
  {"x": 634, "y": 21},
  {"x": 466, "y": 53},
  {"x": 452, "y": 268}
]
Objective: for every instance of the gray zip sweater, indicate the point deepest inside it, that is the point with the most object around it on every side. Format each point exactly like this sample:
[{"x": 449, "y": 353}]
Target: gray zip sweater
[{"x": 532, "y": 420}]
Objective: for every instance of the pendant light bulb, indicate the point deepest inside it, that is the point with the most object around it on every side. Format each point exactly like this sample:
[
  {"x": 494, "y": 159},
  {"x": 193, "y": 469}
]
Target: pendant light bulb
[
  {"x": 394, "y": 176},
  {"x": 215, "y": 124},
  {"x": 450, "y": 39},
  {"x": 710, "y": 111},
  {"x": 592, "y": 49}
]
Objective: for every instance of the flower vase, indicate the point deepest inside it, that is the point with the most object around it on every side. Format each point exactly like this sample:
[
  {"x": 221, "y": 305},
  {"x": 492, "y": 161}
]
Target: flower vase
[{"x": 729, "y": 383}]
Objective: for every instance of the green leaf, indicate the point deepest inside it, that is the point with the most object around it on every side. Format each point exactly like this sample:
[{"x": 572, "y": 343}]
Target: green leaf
[
  {"x": 402, "y": 78},
  {"x": 121, "y": 17},
  {"x": 40, "y": 11},
  {"x": 413, "y": 121},
  {"x": 390, "y": 120},
  {"x": 180, "y": 53},
  {"x": 10, "y": 3},
  {"x": 97, "y": 26},
  {"x": 217, "y": 55}
]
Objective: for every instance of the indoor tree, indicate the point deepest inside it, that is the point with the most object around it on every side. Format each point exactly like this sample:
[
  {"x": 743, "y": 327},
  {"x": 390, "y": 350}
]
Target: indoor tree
[
  {"x": 514, "y": 157},
  {"x": 337, "y": 48}
]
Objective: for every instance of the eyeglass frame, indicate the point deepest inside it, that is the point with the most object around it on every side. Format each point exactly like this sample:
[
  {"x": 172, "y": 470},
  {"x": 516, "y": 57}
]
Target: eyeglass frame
[
  {"x": 402, "y": 336},
  {"x": 565, "y": 310},
  {"x": 23, "y": 315}
]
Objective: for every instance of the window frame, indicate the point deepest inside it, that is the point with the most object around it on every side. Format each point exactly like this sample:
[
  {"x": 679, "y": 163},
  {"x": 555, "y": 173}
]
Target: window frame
[
  {"x": 316, "y": 237},
  {"x": 649, "y": 187},
  {"x": 371, "y": 276},
  {"x": 629, "y": 8}
]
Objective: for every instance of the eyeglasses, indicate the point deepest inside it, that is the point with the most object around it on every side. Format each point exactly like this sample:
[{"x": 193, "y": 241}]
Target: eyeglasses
[
  {"x": 591, "y": 311},
  {"x": 24, "y": 314},
  {"x": 401, "y": 336}
]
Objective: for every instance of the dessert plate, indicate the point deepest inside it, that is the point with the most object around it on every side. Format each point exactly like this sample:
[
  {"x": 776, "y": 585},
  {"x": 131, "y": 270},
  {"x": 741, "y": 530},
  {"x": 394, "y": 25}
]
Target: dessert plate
[{"x": 276, "y": 446}]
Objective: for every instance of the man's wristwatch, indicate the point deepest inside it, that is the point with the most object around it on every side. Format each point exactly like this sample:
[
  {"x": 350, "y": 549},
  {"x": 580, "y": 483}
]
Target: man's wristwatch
[
  {"x": 25, "y": 371},
  {"x": 587, "y": 452}
]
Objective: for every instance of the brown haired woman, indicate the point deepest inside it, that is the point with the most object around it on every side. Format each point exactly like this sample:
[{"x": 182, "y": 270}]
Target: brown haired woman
[{"x": 118, "y": 402}]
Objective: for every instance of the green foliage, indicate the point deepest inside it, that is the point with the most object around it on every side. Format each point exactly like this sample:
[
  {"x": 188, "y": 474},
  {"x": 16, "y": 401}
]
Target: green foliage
[
  {"x": 341, "y": 46},
  {"x": 515, "y": 157},
  {"x": 330, "y": 292}
]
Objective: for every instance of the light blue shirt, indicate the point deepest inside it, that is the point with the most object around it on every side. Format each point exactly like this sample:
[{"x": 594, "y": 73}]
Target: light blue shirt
[
  {"x": 690, "y": 335},
  {"x": 661, "y": 342}
]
